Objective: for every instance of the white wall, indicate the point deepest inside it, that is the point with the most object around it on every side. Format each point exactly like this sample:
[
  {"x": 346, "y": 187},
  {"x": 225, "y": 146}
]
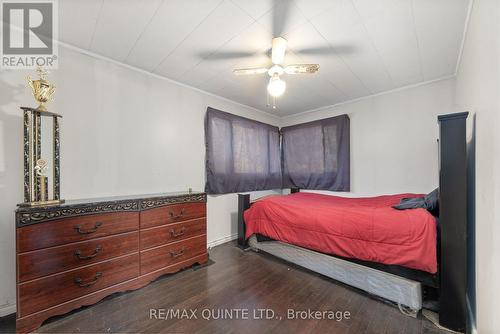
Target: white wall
[
  {"x": 478, "y": 91},
  {"x": 393, "y": 138},
  {"x": 123, "y": 132}
]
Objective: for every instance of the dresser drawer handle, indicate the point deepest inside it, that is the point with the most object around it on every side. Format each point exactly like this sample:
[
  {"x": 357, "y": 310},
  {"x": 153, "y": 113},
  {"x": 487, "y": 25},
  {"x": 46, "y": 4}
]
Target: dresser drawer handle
[
  {"x": 174, "y": 216},
  {"x": 174, "y": 254},
  {"x": 78, "y": 254},
  {"x": 79, "y": 281},
  {"x": 78, "y": 228},
  {"x": 177, "y": 234}
]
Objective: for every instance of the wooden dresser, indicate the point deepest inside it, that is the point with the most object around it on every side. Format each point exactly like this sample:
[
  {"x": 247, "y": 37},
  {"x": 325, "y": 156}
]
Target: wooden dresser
[{"x": 76, "y": 253}]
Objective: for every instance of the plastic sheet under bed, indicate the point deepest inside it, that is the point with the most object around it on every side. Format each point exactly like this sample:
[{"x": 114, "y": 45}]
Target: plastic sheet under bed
[{"x": 391, "y": 287}]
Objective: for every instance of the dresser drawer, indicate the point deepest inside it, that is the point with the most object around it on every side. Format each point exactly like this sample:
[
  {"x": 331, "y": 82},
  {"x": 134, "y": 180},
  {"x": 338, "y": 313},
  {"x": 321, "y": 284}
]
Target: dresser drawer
[
  {"x": 67, "y": 230},
  {"x": 53, "y": 290},
  {"x": 172, "y": 214},
  {"x": 160, "y": 257},
  {"x": 52, "y": 260},
  {"x": 158, "y": 236}
]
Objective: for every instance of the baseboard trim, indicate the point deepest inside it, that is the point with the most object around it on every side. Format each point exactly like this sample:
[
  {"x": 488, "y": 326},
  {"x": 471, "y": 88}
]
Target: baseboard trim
[
  {"x": 222, "y": 240},
  {"x": 471, "y": 319},
  {"x": 7, "y": 309}
]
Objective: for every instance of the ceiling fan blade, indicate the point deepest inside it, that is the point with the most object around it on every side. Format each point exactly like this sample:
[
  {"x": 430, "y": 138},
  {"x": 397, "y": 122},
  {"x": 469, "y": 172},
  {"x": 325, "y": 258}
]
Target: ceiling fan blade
[
  {"x": 249, "y": 71},
  {"x": 278, "y": 51},
  {"x": 327, "y": 50},
  {"x": 302, "y": 69},
  {"x": 281, "y": 11},
  {"x": 225, "y": 55}
]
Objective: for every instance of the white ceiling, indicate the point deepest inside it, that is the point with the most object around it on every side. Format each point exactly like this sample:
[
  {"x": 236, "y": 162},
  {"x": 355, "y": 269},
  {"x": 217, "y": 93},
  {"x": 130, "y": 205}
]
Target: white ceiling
[{"x": 366, "y": 46}]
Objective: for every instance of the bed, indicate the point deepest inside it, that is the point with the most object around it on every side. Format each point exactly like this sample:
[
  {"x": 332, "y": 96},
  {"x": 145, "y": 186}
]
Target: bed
[
  {"x": 362, "y": 242},
  {"x": 404, "y": 257},
  {"x": 366, "y": 229}
]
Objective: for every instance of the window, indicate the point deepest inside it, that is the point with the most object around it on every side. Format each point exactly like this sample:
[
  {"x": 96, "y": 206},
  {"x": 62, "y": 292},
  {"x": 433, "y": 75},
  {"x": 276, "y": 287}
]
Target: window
[
  {"x": 316, "y": 154},
  {"x": 241, "y": 154}
]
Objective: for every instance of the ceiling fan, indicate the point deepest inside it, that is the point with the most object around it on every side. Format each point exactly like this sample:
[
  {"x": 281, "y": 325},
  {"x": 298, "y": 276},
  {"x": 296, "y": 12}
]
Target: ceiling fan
[{"x": 276, "y": 86}]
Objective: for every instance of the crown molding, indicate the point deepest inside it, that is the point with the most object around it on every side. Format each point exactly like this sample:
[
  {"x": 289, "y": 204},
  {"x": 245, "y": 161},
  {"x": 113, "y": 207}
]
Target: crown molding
[
  {"x": 367, "y": 97},
  {"x": 276, "y": 117},
  {"x": 160, "y": 77}
]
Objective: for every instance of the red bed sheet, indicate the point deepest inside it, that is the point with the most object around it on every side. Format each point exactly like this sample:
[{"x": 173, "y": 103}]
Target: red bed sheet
[{"x": 361, "y": 228}]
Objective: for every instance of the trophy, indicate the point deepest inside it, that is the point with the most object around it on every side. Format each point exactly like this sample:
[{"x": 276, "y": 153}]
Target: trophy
[
  {"x": 42, "y": 90},
  {"x": 41, "y": 147}
]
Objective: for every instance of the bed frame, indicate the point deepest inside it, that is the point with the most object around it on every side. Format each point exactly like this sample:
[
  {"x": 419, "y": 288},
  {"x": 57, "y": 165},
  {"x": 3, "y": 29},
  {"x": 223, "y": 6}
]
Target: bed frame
[{"x": 447, "y": 286}]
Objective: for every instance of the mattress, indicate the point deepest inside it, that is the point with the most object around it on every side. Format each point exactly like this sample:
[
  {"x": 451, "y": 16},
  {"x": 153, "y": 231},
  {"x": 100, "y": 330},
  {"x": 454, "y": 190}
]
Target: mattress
[
  {"x": 397, "y": 289},
  {"x": 367, "y": 229}
]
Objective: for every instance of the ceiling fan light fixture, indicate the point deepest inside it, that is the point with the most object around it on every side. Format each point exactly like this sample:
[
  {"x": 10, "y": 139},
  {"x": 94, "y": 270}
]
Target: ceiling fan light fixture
[
  {"x": 275, "y": 69},
  {"x": 276, "y": 86}
]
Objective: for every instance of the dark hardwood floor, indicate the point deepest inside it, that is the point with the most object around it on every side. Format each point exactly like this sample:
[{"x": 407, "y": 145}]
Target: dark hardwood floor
[
  {"x": 8, "y": 324},
  {"x": 240, "y": 280}
]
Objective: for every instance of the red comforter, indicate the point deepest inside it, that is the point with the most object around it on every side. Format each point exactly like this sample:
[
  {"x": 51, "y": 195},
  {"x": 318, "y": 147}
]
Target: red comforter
[{"x": 362, "y": 228}]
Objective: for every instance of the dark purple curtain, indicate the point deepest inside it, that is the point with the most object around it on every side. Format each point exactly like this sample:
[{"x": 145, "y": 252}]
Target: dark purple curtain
[
  {"x": 316, "y": 155},
  {"x": 241, "y": 154}
]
